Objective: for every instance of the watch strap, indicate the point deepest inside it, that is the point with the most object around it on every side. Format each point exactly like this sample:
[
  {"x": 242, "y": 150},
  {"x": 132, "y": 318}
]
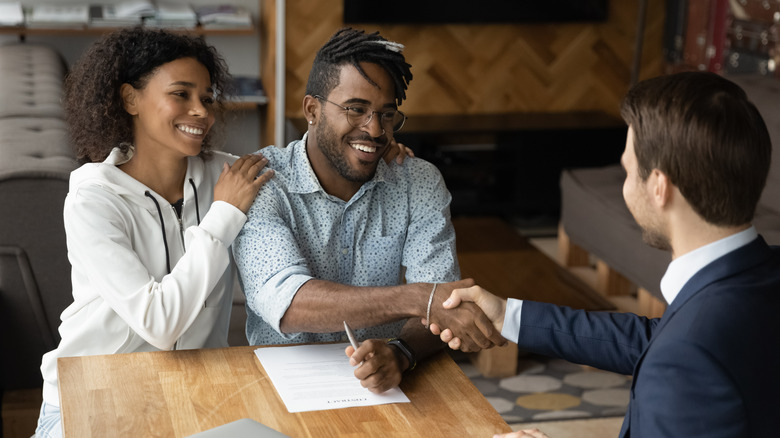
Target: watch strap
[{"x": 406, "y": 350}]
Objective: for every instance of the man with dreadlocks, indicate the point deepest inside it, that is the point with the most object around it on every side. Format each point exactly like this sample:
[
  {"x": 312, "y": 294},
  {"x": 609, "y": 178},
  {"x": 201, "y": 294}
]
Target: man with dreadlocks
[{"x": 332, "y": 237}]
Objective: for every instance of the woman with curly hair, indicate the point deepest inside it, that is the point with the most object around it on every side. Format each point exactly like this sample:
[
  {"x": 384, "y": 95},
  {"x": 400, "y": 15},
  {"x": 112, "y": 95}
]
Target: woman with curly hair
[{"x": 150, "y": 216}]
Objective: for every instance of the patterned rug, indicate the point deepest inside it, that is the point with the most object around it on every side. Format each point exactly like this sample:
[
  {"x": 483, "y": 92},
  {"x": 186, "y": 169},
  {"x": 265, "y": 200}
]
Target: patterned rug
[{"x": 547, "y": 389}]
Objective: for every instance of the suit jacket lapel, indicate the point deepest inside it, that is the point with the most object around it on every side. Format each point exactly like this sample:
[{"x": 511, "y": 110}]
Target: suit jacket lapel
[{"x": 733, "y": 263}]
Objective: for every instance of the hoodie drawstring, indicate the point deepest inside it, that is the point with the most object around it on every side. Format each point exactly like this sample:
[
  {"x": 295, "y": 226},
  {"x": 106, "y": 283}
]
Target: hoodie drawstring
[
  {"x": 197, "y": 207},
  {"x": 162, "y": 221},
  {"x": 162, "y": 224}
]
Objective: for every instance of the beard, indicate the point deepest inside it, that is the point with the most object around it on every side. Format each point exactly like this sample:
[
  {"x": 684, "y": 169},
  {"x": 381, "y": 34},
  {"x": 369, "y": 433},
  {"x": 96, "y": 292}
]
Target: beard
[
  {"x": 656, "y": 239},
  {"x": 652, "y": 229},
  {"x": 329, "y": 145}
]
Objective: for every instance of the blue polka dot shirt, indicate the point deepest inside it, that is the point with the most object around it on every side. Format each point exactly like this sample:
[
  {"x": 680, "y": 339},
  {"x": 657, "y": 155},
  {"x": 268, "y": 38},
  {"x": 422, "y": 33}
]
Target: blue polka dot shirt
[{"x": 397, "y": 224}]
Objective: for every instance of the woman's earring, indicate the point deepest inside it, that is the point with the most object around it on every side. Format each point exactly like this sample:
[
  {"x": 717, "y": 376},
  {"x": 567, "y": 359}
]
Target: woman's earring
[{"x": 311, "y": 122}]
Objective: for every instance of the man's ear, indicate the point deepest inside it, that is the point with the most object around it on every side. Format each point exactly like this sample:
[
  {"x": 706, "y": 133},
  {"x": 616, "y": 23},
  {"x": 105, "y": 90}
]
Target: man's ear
[
  {"x": 129, "y": 94},
  {"x": 310, "y": 107},
  {"x": 662, "y": 188}
]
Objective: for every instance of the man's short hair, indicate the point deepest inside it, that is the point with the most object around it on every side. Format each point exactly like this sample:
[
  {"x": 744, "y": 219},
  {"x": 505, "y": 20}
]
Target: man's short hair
[
  {"x": 350, "y": 46},
  {"x": 701, "y": 131}
]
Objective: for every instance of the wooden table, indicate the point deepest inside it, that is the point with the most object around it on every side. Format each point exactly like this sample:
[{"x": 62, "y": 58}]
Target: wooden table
[
  {"x": 502, "y": 261},
  {"x": 179, "y": 393}
]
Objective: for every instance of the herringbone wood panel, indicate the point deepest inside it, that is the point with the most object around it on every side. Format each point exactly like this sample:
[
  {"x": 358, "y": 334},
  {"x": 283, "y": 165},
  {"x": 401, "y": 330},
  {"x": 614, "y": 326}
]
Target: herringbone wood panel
[{"x": 476, "y": 69}]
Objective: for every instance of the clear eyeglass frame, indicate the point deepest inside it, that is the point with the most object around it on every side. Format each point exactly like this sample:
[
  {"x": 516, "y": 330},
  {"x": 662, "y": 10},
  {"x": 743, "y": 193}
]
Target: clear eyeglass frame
[{"x": 359, "y": 116}]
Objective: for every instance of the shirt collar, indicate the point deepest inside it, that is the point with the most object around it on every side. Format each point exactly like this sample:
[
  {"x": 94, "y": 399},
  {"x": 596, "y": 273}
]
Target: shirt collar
[
  {"x": 681, "y": 269},
  {"x": 304, "y": 180}
]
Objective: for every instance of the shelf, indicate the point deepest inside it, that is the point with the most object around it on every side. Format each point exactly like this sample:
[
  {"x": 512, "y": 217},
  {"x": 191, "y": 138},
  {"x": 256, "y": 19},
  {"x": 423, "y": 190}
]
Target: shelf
[{"x": 24, "y": 31}]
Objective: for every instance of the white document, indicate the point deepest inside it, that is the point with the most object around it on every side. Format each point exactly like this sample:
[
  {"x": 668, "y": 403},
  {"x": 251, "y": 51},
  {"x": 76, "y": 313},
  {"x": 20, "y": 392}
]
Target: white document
[{"x": 319, "y": 377}]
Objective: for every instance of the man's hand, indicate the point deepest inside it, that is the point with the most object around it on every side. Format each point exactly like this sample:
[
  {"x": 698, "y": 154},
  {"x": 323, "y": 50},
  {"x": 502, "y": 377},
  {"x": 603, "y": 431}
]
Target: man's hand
[
  {"x": 466, "y": 322},
  {"x": 493, "y": 307},
  {"x": 398, "y": 151},
  {"x": 381, "y": 368}
]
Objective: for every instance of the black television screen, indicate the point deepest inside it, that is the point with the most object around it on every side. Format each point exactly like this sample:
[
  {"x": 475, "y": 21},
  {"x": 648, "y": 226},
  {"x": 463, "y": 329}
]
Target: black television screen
[{"x": 474, "y": 11}]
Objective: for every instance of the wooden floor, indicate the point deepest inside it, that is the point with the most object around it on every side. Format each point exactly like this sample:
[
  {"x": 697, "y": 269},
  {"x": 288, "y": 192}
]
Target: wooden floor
[{"x": 502, "y": 261}]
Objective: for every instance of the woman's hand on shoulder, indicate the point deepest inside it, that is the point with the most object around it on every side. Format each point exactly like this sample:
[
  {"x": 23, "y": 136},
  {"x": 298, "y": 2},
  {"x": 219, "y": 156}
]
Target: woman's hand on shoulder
[
  {"x": 398, "y": 151},
  {"x": 238, "y": 184}
]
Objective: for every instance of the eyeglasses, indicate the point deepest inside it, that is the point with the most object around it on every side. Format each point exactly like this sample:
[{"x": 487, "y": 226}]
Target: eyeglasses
[{"x": 360, "y": 115}]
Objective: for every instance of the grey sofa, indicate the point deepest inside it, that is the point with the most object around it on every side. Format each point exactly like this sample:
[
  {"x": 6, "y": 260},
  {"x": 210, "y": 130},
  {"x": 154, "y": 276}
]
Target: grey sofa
[
  {"x": 35, "y": 164},
  {"x": 594, "y": 217}
]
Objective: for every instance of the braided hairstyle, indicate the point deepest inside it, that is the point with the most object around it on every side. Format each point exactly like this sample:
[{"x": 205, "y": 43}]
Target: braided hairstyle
[
  {"x": 93, "y": 105},
  {"x": 351, "y": 46}
]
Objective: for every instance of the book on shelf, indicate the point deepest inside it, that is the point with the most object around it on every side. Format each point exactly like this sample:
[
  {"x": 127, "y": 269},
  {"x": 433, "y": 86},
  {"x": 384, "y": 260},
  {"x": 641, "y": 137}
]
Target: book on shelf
[
  {"x": 107, "y": 16},
  {"x": 11, "y": 14},
  {"x": 249, "y": 89},
  {"x": 58, "y": 16},
  {"x": 173, "y": 15},
  {"x": 134, "y": 9},
  {"x": 224, "y": 17}
]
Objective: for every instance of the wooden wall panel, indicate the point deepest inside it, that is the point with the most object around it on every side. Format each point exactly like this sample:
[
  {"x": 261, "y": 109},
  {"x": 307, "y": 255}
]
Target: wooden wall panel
[
  {"x": 267, "y": 50},
  {"x": 477, "y": 69}
]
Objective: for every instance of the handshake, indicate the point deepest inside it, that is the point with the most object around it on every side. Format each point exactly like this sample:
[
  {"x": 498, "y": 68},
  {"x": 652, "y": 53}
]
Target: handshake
[
  {"x": 483, "y": 330},
  {"x": 469, "y": 319}
]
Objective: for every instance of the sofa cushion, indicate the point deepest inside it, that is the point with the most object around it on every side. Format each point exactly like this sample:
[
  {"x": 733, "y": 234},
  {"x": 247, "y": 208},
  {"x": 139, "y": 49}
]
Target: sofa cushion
[
  {"x": 32, "y": 81},
  {"x": 35, "y": 148}
]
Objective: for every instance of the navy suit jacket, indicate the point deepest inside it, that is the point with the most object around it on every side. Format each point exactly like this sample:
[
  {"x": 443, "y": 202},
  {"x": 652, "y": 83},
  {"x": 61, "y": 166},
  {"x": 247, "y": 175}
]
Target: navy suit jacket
[{"x": 710, "y": 367}]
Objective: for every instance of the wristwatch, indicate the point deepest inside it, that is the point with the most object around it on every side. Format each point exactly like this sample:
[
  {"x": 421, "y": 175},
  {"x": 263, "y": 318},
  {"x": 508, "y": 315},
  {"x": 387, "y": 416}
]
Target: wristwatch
[{"x": 406, "y": 350}]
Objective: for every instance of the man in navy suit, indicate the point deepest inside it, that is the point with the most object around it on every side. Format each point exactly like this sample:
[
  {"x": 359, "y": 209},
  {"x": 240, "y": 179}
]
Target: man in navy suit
[{"x": 696, "y": 159}]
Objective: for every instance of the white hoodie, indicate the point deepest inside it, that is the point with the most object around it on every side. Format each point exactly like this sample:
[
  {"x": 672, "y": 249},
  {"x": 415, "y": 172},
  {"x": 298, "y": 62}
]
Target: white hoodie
[{"x": 125, "y": 299}]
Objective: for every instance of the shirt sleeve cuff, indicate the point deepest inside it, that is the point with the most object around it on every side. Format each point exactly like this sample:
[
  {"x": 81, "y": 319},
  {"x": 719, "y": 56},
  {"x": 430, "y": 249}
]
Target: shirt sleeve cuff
[
  {"x": 511, "y": 329},
  {"x": 277, "y": 294}
]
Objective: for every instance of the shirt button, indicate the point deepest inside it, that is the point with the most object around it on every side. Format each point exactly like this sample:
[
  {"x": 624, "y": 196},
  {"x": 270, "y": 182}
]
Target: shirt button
[{"x": 345, "y": 251}]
